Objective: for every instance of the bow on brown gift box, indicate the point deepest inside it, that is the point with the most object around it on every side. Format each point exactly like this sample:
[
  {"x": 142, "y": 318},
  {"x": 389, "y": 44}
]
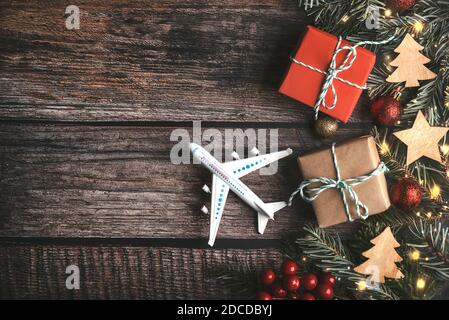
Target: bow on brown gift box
[{"x": 345, "y": 182}]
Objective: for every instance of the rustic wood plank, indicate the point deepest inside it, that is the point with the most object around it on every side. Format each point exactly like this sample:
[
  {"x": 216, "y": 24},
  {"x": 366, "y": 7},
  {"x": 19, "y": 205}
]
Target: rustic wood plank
[
  {"x": 118, "y": 181},
  {"x": 150, "y": 61},
  {"x": 38, "y": 272}
]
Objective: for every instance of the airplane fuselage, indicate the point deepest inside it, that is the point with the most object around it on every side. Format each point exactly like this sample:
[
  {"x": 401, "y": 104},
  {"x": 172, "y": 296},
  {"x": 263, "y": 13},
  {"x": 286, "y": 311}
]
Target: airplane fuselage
[{"x": 234, "y": 184}]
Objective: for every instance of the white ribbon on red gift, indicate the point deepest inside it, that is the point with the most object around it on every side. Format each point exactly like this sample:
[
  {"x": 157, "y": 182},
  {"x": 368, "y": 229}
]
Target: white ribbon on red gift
[{"x": 333, "y": 71}]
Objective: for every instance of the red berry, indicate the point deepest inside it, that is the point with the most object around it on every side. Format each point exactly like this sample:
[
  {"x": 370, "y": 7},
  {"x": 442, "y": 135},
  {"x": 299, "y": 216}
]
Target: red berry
[
  {"x": 278, "y": 291},
  {"x": 307, "y": 296},
  {"x": 263, "y": 296},
  {"x": 325, "y": 292},
  {"x": 289, "y": 267},
  {"x": 327, "y": 278},
  {"x": 294, "y": 296},
  {"x": 309, "y": 281},
  {"x": 267, "y": 277},
  {"x": 291, "y": 282}
]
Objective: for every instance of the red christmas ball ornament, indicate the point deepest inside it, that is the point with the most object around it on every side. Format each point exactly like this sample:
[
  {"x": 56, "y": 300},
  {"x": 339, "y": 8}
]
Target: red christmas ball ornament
[
  {"x": 291, "y": 283},
  {"x": 267, "y": 277},
  {"x": 294, "y": 296},
  {"x": 289, "y": 267},
  {"x": 386, "y": 111},
  {"x": 278, "y": 291},
  {"x": 325, "y": 292},
  {"x": 307, "y": 296},
  {"x": 263, "y": 296},
  {"x": 328, "y": 278},
  {"x": 309, "y": 281},
  {"x": 401, "y": 5},
  {"x": 406, "y": 193}
]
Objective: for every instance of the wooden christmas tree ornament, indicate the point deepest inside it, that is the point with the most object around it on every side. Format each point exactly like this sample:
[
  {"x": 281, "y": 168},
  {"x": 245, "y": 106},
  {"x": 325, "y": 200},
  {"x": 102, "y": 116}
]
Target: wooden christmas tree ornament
[
  {"x": 410, "y": 64},
  {"x": 382, "y": 258}
]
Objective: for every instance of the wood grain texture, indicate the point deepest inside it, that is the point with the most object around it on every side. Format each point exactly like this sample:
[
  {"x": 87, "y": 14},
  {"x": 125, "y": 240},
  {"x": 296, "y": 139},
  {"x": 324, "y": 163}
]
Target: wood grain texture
[
  {"x": 118, "y": 181},
  {"x": 382, "y": 258},
  {"x": 150, "y": 61},
  {"x": 410, "y": 64},
  {"x": 38, "y": 272},
  {"x": 158, "y": 64},
  {"x": 422, "y": 140}
]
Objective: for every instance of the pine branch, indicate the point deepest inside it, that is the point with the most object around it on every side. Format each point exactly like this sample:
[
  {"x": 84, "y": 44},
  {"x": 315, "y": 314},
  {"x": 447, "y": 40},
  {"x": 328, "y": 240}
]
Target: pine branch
[
  {"x": 377, "y": 86},
  {"x": 342, "y": 17},
  {"x": 330, "y": 255},
  {"x": 431, "y": 239},
  {"x": 426, "y": 172},
  {"x": 412, "y": 271},
  {"x": 428, "y": 211}
]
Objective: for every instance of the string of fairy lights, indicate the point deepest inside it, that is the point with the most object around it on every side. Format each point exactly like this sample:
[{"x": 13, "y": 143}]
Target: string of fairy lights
[{"x": 420, "y": 283}]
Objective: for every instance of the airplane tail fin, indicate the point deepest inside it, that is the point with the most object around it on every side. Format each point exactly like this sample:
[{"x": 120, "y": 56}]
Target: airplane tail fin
[{"x": 270, "y": 208}]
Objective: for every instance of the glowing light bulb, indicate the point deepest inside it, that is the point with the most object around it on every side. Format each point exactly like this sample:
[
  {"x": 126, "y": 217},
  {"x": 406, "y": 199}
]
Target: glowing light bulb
[
  {"x": 345, "y": 18},
  {"x": 384, "y": 148},
  {"x": 387, "y": 13},
  {"x": 419, "y": 26},
  {"x": 435, "y": 192},
  {"x": 420, "y": 283},
  {"x": 415, "y": 255},
  {"x": 361, "y": 285}
]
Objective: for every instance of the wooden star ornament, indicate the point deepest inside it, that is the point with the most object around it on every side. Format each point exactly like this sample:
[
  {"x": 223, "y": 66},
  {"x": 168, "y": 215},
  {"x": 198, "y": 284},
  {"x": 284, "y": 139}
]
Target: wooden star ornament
[{"x": 422, "y": 139}]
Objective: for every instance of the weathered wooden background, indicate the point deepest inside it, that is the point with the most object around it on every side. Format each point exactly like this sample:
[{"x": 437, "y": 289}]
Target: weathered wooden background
[{"x": 86, "y": 117}]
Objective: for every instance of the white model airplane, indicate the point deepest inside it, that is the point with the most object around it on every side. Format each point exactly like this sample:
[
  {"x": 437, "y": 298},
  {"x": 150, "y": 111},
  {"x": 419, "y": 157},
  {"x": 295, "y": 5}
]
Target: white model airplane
[{"x": 226, "y": 176}]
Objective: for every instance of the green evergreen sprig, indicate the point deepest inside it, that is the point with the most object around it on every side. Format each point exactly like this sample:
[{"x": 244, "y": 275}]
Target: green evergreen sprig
[
  {"x": 330, "y": 255},
  {"x": 432, "y": 241},
  {"x": 428, "y": 21}
]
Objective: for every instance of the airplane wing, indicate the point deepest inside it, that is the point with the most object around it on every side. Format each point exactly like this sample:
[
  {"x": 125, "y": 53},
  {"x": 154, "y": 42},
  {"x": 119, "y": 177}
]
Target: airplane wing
[
  {"x": 219, "y": 195},
  {"x": 244, "y": 166}
]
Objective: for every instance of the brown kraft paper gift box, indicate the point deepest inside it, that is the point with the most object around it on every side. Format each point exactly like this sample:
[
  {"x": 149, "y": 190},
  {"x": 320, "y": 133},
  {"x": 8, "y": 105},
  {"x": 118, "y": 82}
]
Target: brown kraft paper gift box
[{"x": 355, "y": 157}]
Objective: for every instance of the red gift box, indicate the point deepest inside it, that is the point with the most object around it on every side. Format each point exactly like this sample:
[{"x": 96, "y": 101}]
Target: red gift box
[{"x": 304, "y": 84}]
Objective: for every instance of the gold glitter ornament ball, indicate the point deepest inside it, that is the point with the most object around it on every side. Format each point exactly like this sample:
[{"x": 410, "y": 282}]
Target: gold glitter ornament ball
[{"x": 326, "y": 127}]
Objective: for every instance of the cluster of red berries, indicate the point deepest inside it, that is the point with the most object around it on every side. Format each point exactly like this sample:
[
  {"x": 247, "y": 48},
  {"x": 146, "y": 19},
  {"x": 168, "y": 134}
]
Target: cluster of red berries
[{"x": 289, "y": 286}]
